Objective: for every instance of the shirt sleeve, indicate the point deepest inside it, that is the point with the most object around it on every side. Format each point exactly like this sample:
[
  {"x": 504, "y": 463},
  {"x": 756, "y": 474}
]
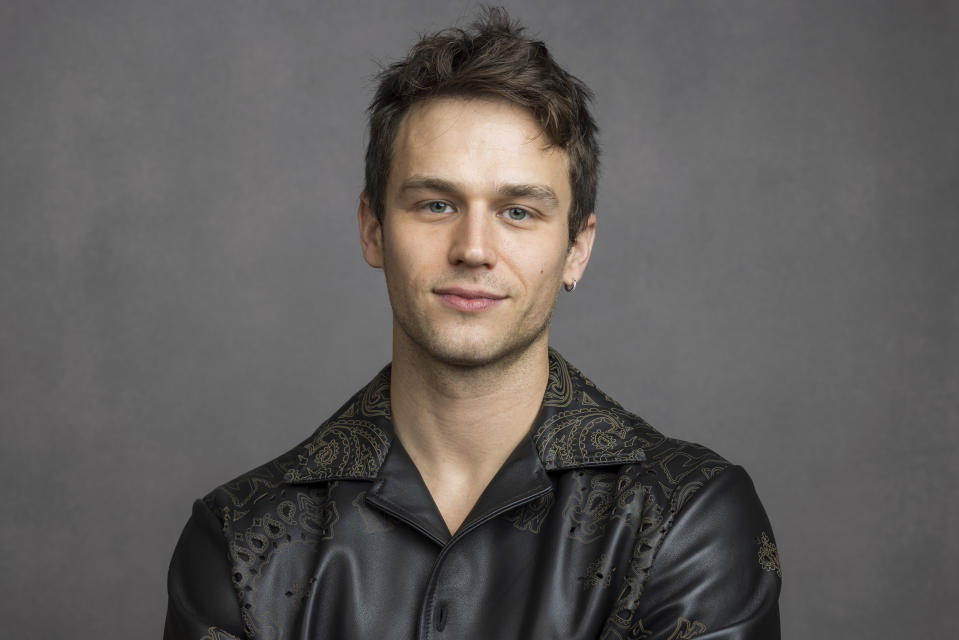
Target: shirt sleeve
[
  {"x": 717, "y": 572},
  {"x": 202, "y": 602}
]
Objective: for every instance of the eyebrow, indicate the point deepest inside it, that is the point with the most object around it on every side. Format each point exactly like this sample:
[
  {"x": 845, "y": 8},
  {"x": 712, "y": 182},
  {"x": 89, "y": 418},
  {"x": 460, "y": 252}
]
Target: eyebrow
[{"x": 541, "y": 192}]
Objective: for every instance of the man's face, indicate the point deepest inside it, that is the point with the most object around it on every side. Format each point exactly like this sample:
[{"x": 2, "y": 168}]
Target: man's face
[{"x": 474, "y": 240}]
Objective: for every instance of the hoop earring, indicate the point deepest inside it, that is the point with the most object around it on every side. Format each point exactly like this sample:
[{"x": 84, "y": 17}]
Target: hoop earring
[{"x": 570, "y": 287}]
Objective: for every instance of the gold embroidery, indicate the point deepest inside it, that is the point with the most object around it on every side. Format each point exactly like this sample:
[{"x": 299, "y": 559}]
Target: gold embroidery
[
  {"x": 588, "y": 435},
  {"x": 376, "y": 396},
  {"x": 559, "y": 387},
  {"x": 686, "y": 459},
  {"x": 530, "y": 516},
  {"x": 672, "y": 476},
  {"x": 599, "y": 573},
  {"x": 581, "y": 425},
  {"x": 273, "y": 528},
  {"x": 249, "y": 491},
  {"x": 709, "y": 472},
  {"x": 217, "y": 634},
  {"x": 350, "y": 445},
  {"x": 686, "y": 629},
  {"x": 318, "y": 512},
  {"x": 640, "y": 632},
  {"x": 684, "y": 493},
  {"x": 286, "y": 511},
  {"x": 342, "y": 449},
  {"x": 588, "y": 510},
  {"x": 769, "y": 555}
]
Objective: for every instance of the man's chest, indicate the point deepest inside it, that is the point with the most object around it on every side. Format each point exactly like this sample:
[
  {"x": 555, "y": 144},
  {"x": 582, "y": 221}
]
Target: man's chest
[{"x": 332, "y": 561}]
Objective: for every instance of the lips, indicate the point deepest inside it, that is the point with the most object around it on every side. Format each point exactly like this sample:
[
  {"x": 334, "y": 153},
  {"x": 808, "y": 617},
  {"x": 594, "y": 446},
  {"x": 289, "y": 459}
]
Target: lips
[{"x": 468, "y": 300}]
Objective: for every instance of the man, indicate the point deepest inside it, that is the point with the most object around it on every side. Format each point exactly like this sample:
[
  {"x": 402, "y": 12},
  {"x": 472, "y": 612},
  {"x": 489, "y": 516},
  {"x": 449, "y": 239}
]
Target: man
[{"x": 480, "y": 487}]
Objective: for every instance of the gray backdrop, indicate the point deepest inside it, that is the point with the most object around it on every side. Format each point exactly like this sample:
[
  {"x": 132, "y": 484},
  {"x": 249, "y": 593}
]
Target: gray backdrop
[{"x": 183, "y": 295}]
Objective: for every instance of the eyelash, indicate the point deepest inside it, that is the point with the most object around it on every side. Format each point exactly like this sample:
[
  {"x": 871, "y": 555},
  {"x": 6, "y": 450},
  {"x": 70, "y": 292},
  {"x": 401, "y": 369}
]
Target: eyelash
[
  {"x": 429, "y": 206},
  {"x": 527, "y": 213}
]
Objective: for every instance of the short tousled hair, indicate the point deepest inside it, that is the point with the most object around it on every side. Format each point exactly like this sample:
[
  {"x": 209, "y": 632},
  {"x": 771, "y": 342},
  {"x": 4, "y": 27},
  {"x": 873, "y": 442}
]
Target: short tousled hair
[{"x": 492, "y": 58}]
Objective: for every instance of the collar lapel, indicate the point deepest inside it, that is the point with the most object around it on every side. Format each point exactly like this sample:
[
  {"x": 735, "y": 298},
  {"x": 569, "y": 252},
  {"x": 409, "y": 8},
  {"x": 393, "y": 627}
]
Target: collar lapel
[
  {"x": 580, "y": 426},
  {"x": 521, "y": 479},
  {"x": 401, "y": 492},
  {"x": 353, "y": 443},
  {"x": 577, "y": 426}
]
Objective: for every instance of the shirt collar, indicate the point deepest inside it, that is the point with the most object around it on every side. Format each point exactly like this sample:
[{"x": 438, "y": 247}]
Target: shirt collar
[{"x": 578, "y": 426}]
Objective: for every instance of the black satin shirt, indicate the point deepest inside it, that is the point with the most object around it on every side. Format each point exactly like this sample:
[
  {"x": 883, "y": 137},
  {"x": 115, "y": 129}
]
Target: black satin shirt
[{"x": 597, "y": 527}]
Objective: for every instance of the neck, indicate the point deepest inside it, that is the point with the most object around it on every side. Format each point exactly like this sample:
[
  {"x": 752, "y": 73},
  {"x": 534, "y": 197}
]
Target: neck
[
  {"x": 464, "y": 414},
  {"x": 459, "y": 424}
]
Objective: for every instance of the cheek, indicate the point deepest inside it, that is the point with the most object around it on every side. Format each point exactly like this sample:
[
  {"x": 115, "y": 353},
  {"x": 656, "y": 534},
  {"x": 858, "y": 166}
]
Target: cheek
[
  {"x": 542, "y": 273},
  {"x": 409, "y": 266},
  {"x": 398, "y": 253},
  {"x": 534, "y": 255}
]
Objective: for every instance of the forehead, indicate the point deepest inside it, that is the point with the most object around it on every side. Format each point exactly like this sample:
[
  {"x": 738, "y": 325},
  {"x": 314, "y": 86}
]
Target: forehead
[{"x": 477, "y": 141}]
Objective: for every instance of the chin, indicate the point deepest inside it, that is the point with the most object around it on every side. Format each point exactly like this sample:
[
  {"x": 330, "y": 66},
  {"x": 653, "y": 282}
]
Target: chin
[
  {"x": 467, "y": 357},
  {"x": 474, "y": 351}
]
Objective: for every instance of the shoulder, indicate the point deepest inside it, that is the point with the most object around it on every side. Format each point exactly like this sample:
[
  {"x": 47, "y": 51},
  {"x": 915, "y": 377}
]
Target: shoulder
[
  {"x": 231, "y": 500},
  {"x": 705, "y": 552},
  {"x": 689, "y": 487},
  {"x": 677, "y": 469}
]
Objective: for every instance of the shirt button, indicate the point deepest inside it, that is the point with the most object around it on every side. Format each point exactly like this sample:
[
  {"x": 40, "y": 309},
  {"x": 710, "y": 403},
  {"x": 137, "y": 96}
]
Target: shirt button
[{"x": 440, "y": 617}]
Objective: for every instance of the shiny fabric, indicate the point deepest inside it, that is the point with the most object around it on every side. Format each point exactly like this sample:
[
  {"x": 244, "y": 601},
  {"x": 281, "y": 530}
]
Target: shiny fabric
[{"x": 597, "y": 526}]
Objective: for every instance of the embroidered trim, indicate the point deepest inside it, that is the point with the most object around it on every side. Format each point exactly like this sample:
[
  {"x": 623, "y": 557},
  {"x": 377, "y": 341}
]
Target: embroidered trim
[
  {"x": 579, "y": 426},
  {"x": 599, "y": 573},
  {"x": 769, "y": 555},
  {"x": 217, "y": 634},
  {"x": 530, "y": 516},
  {"x": 687, "y": 629}
]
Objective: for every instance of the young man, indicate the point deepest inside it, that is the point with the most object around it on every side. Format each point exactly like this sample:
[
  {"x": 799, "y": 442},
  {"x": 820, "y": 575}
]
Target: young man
[{"x": 480, "y": 487}]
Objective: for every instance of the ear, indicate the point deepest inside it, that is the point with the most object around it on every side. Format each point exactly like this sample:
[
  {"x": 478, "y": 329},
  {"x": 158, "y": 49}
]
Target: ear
[
  {"x": 371, "y": 233},
  {"x": 579, "y": 251}
]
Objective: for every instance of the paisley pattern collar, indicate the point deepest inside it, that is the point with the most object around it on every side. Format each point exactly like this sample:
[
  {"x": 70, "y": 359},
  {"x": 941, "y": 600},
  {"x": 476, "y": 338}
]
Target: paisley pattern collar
[{"x": 578, "y": 426}]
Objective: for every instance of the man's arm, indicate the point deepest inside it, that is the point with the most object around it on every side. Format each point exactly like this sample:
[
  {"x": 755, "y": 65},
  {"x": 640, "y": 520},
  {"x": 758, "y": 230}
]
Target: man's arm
[
  {"x": 717, "y": 572},
  {"x": 202, "y": 601}
]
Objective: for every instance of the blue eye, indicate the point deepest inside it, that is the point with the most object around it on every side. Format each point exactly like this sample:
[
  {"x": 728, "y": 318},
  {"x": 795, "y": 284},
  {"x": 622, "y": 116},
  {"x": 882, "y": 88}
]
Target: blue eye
[
  {"x": 438, "y": 206},
  {"x": 517, "y": 214}
]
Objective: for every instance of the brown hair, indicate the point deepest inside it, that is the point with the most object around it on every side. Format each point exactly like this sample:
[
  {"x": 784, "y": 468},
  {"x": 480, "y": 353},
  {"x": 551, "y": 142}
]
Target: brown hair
[{"x": 493, "y": 58}]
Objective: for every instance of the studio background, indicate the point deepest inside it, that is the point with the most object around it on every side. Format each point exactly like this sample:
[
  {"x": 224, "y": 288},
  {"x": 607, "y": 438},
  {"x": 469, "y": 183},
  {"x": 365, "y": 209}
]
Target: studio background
[{"x": 183, "y": 296}]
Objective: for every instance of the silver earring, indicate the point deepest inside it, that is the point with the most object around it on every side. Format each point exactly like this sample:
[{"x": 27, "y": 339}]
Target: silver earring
[{"x": 570, "y": 287}]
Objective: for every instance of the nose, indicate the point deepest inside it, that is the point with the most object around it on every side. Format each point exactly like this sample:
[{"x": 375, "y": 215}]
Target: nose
[{"x": 473, "y": 240}]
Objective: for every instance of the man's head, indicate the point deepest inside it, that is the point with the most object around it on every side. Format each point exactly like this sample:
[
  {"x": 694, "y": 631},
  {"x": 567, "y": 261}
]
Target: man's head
[
  {"x": 494, "y": 59},
  {"x": 481, "y": 177}
]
